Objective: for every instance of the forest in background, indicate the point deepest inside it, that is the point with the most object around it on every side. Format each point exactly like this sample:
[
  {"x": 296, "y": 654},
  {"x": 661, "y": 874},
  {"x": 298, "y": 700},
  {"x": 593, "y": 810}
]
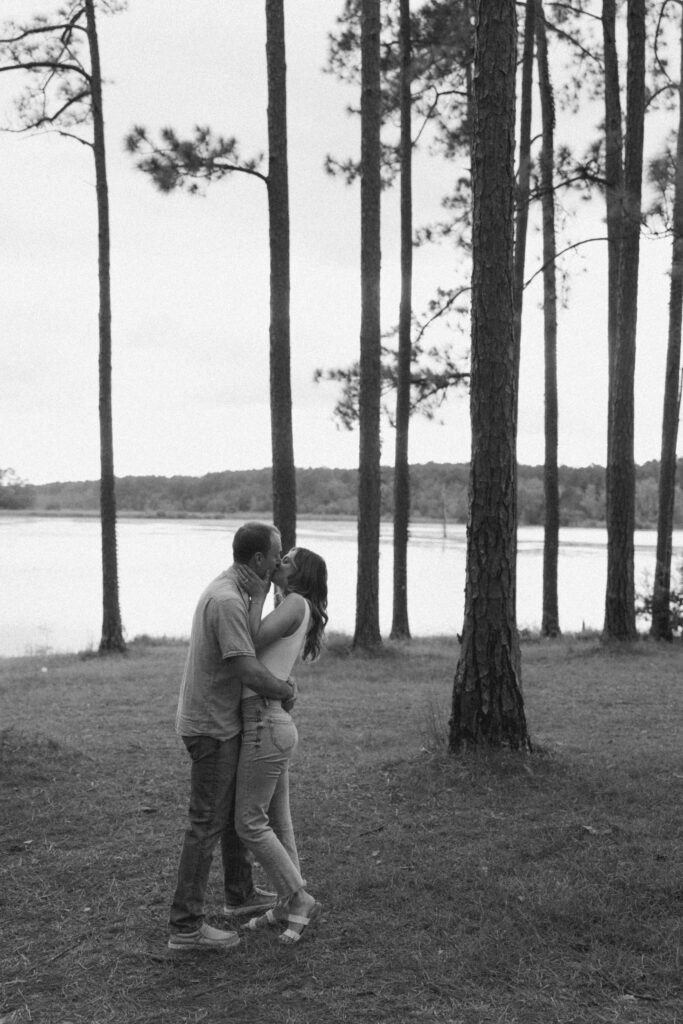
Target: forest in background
[{"x": 438, "y": 490}]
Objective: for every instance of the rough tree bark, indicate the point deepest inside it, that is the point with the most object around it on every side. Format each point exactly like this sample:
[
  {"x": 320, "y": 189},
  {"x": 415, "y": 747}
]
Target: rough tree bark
[
  {"x": 367, "y": 632},
  {"x": 620, "y": 621},
  {"x": 400, "y": 627},
  {"x": 282, "y": 440},
  {"x": 112, "y": 630},
  {"x": 614, "y": 175},
  {"x": 550, "y": 620},
  {"x": 487, "y": 705},
  {"x": 524, "y": 173},
  {"x": 661, "y": 610}
]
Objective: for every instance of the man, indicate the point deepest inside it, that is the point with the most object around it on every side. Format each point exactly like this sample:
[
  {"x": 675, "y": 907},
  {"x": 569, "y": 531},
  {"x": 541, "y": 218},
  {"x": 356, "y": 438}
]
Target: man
[{"x": 220, "y": 660}]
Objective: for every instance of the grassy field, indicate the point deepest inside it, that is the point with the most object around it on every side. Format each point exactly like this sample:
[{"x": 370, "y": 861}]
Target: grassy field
[{"x": 507, "y": 889}]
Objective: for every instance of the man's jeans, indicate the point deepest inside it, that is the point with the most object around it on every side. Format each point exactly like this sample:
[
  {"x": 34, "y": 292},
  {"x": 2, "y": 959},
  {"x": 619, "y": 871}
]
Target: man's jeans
[
  {"x": 262, "y": 811},
  {"x": 212, "y": 817}
]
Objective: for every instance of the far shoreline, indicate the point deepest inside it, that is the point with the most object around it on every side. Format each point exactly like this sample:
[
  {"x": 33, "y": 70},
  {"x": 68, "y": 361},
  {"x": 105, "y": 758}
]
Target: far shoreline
[
  {"x": 338, "y": 643},
  {"x": 264, "y": 515}
]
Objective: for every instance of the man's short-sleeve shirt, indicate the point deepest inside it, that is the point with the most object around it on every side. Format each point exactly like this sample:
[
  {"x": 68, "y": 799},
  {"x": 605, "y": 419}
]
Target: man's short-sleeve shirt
[{"x": 209, "y": 703}]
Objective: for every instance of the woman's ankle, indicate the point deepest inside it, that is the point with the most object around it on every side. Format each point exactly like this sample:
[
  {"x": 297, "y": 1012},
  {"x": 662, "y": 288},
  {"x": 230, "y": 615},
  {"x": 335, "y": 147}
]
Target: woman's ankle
[{"x": 300, "y": 898}]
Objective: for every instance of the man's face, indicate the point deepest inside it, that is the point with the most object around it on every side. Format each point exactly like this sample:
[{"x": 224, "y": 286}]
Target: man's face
[{"x": 265, "y": 565}]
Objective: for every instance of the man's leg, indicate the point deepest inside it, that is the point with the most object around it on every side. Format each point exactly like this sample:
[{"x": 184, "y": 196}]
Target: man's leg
[
  {"x": 238, "y": 881},
  {"x": 212, "y": 798}
]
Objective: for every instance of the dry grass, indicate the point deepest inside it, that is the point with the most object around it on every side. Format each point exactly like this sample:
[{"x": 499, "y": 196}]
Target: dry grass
[{"x": 483, "y": 890}]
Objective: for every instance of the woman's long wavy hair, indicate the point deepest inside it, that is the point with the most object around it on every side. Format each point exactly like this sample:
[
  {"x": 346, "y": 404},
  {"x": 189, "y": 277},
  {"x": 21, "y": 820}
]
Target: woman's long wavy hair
[{"x": 310, "y": 580}]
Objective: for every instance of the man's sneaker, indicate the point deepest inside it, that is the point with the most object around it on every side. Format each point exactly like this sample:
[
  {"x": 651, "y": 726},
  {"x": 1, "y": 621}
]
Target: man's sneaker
[
  {"x": 205, "y": 937},
  {"x": 257, "y": 902}
]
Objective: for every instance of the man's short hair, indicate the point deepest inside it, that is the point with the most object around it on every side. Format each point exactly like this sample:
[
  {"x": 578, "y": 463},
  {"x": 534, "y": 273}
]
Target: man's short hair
[{"x": 250, "y": 539}]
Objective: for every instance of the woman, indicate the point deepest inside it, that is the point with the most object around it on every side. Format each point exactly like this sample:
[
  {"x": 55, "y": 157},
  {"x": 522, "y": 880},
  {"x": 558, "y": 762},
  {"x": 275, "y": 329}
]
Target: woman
[{"x": 269, "y": 735}]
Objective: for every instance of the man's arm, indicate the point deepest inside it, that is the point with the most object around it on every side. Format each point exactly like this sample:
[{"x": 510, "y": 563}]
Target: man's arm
[
  {"x": 246, "y": 671},
  {"x": 291, "y": 701}
]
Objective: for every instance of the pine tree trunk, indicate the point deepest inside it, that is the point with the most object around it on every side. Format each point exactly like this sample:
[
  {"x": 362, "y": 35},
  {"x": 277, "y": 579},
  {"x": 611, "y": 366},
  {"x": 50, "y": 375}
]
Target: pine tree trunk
[
  {"x": 112, "y": 630},
  {"x": 661, "y": 610},
  {"x": 487, "y": 705},
  {"x": 524, "y": 173},
  {"x": 399, "y": 626},
  {"x": 614, "y": 173},
  {"x": 620, "y": 621},
  {"x": 282, "y": 442},
  {"x": 522, "y": 199},
  {"x": 550, "y": 621},
  {"x": 367, "y": 632}
]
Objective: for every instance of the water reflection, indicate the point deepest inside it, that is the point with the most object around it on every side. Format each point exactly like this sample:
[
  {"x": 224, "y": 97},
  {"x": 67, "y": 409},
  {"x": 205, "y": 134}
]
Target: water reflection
[{"x": 50, "y": 570}]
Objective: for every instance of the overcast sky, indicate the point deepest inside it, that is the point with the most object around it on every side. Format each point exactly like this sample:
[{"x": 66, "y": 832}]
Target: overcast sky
[{"x": 190, "y": 275}]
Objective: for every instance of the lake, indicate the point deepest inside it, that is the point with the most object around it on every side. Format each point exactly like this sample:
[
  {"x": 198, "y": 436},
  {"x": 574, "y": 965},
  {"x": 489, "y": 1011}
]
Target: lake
[{"x": 50, "y": 576}]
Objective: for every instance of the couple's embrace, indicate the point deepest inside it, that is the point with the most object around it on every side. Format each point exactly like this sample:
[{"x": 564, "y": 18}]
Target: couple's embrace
[{"x": 233, "y": 717}]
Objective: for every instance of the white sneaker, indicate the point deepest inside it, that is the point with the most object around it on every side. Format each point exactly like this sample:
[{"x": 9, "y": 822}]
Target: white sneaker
[{"x": 205, "y": 937}]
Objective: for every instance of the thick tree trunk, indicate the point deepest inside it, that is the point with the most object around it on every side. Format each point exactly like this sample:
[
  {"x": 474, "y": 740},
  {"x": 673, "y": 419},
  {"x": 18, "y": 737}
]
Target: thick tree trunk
[
  {"x": 112, "y": 630},
  {"x": 282, "y": 442},
  {"x": 620, "y": 621},
  {"x": 367, "y": 632},
  {"x": 399, "y": 625},
  {"x": 550, "y": 621},
  {"x": 487, "y": 702},
  {"x": 661, "y": 608}
]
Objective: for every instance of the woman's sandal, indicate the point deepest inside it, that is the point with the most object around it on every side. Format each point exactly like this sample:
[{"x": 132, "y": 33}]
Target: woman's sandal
[
  {"x": 290, "y": 937},
  {"x": 267, "y": 920}
]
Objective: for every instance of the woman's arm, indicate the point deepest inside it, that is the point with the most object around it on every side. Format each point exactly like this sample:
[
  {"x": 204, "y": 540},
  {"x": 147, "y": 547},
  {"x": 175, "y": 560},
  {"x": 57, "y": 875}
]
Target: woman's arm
[
  {"x": 257, "y": 590},
  {"x": 255, "y": 612},
  {"x": 282, "y": 621}
]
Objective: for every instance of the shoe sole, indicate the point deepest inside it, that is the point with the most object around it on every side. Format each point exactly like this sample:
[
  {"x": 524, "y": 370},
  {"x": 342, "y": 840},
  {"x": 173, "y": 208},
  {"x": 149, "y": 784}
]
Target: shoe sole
[
  {"x": 192, "y": 946},
  {"x": 243, "y": 911}
]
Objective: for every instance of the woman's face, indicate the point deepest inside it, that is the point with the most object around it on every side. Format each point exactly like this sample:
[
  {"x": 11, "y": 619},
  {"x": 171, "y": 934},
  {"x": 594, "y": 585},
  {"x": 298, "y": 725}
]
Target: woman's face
[{"x": 285, "y": 570}]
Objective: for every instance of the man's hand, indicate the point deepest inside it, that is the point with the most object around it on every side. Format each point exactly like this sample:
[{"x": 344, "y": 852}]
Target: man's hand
[{"x": 289, "y": 703}]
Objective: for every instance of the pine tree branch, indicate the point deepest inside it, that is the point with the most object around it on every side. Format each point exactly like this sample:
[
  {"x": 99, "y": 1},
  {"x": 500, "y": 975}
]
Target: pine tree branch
[
  {"x": 576, "y": 245},
  {"x": 44, "y": 29},
  {"x": 243, "y": 170},
  {"x": 172, "y": 165},
  {"x": 51, "y": 118},
  {"x": 77, "y": 138},
  {"x": 35, "y": 65},
  {"x": 428, "y": 116},
  {"x": 574, "y": 10},
  {"x": 569, "y": 38},
  {"x": 441, "y": 311}
]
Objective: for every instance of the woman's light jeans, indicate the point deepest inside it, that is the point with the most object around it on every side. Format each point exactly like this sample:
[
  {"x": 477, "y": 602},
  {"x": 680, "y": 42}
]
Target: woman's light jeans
[{"x": 262, "y": 816}]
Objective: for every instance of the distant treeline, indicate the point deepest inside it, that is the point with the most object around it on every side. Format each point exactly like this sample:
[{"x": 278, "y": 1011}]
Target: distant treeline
[{"x": 438, "y": 490}]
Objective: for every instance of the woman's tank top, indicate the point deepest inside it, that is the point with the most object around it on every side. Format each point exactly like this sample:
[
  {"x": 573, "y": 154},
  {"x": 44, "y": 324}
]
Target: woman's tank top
[{"x": 280, "y": 656}]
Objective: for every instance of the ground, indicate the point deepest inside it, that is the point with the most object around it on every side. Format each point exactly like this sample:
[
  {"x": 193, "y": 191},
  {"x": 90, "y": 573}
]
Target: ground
[{"x": 485, "y": 889}]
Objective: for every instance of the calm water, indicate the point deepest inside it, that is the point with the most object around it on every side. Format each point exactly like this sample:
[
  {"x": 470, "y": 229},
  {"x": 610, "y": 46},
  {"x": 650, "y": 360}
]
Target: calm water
[{"x": 50, "y": 588}]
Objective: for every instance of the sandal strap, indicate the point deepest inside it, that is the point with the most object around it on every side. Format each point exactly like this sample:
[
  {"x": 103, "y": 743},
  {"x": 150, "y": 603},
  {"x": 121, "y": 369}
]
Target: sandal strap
[{"x": 255, "y": 923}]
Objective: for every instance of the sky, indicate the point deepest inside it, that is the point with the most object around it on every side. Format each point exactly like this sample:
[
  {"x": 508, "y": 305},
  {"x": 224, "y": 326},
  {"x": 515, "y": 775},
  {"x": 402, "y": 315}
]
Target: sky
[{"x": 190, "y": 274}]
